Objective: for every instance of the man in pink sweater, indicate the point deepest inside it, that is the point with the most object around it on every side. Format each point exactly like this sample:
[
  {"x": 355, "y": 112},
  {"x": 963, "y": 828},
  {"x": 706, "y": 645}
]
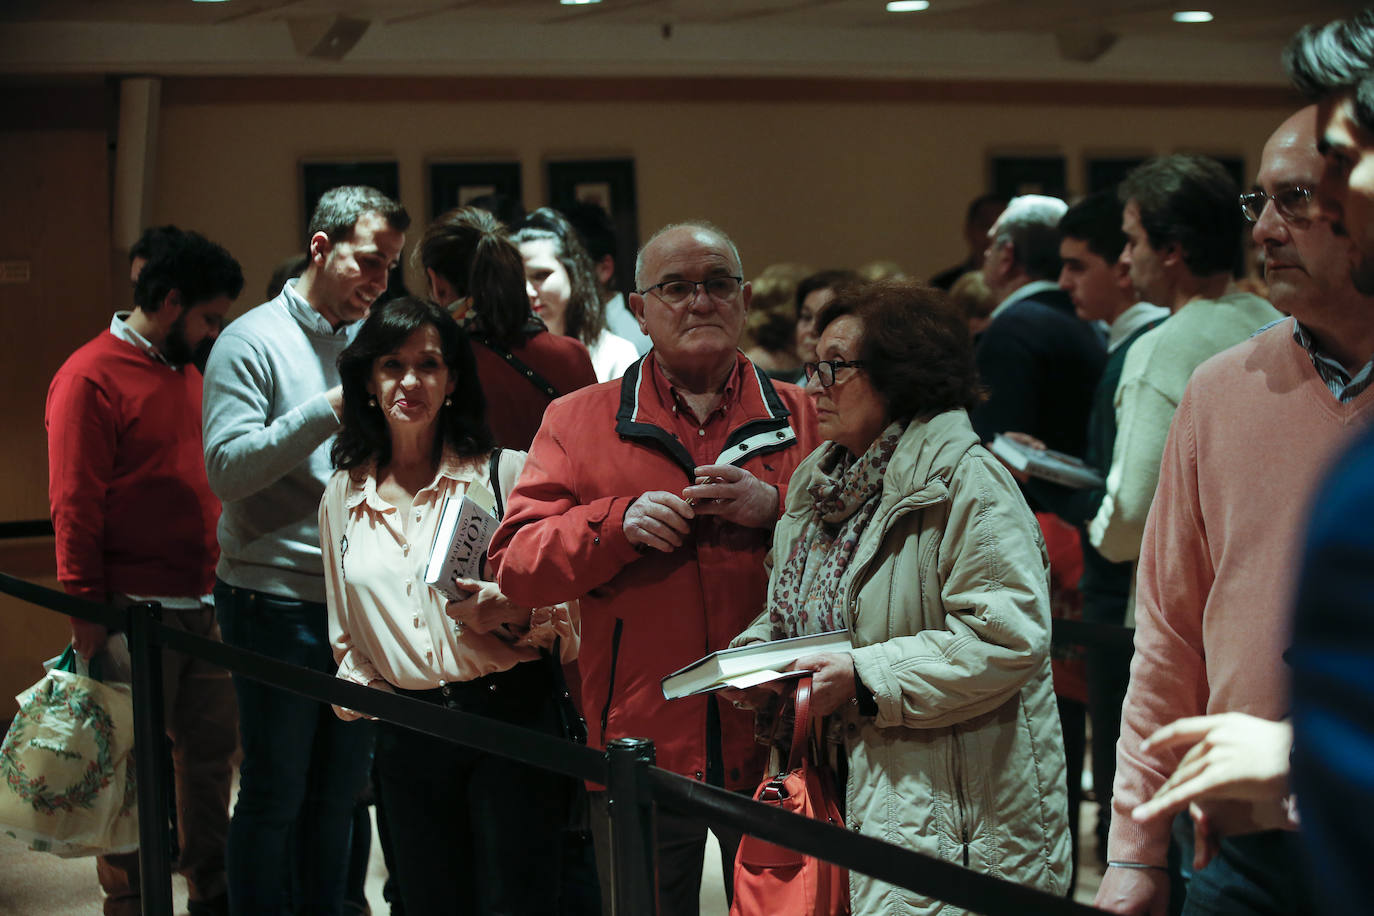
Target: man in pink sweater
[{"x": 1253, "y": 433}]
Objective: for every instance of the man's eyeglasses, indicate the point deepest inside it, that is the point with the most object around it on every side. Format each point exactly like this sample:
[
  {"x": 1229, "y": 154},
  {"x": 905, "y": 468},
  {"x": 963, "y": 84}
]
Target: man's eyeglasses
[
  {"x": 1293, "y": 203},
  {"x": 676, "y": 292},
  {"x": 827, "y": 368}
]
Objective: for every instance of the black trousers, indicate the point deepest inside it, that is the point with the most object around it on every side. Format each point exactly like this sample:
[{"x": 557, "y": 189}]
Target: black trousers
[{"x": 473, "y": 833}]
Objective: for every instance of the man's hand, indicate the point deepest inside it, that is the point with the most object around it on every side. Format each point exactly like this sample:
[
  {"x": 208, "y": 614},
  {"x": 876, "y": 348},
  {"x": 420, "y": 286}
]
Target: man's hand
[
  {"x": 734, "y": 494},
  {"x": 832, "y": 680},
  {"x": 335, "y": 397},
  {"x": 1028, "y": 441},
  {"x": 1233, "y": 756},
  {"x": 658, "y": 519},
  {"x": 1134, "y": 891},
  {"x": 486, "y": 608},
  {"x": 88, "y": 638}
]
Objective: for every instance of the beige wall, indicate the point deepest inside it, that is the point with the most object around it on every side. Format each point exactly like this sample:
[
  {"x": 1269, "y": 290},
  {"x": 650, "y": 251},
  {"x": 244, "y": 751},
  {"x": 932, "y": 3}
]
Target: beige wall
[{"x": 825, "y": 183}]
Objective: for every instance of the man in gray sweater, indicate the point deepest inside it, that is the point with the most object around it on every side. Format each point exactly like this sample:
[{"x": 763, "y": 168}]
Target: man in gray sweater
[{"x": 272, "y": 400}]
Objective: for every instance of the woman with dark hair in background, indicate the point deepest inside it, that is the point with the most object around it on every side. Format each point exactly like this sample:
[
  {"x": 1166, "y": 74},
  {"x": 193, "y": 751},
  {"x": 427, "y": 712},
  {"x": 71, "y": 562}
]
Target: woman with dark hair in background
[
  {"x": 561, "y": 286},
  {"x": 904, "y": 531},
  {"x": 478, "y": 275},
  {"x": 471, "y": 827}
]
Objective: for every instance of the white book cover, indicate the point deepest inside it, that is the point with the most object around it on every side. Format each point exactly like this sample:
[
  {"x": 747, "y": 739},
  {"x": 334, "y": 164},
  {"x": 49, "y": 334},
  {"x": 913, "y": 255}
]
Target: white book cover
[
  {"x": 1046, "y": 464},
  {"x": 751, "y": 665},
  {"x": 466, "y": 524}
]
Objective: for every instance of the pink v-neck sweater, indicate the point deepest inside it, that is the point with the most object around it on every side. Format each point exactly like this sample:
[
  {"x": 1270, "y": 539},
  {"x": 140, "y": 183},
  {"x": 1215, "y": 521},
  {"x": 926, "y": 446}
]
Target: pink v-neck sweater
[{"x": 1252, "y": 436}]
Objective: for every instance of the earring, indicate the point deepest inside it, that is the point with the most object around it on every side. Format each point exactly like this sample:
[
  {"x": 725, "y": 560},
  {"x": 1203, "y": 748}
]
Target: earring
[
  {"x": 371, "y": 402},
  {"x": 448, "y": 402}
]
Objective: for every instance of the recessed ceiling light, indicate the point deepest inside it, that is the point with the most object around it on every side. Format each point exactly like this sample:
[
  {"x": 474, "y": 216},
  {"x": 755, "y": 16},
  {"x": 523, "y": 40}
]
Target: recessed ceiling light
[
  {"x": 1193, "y": 16},
  {"x": 907, "y": 6},
  {"x": 578, "y": 2}
]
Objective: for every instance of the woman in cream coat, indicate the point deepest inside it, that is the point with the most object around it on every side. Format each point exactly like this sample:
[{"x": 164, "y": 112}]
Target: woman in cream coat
[{"x": 905, "y": 531}]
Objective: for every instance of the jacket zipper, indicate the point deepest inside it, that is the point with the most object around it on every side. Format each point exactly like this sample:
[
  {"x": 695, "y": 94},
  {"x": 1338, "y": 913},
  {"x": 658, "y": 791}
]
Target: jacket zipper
[
  {"x": 610, "y": 686},
  {"x": 960, "y": 802}
]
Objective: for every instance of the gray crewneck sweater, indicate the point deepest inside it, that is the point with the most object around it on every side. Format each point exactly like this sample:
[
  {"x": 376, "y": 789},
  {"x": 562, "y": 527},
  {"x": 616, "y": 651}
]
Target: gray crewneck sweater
[{"x": 268, "y": 429}]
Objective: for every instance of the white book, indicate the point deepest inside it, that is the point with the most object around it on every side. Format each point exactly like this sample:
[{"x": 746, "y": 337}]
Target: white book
[
  {"x": 1047, "y": 464},
  {"x": 750, "y": 665},
  {"x": 466, "y": 524}
]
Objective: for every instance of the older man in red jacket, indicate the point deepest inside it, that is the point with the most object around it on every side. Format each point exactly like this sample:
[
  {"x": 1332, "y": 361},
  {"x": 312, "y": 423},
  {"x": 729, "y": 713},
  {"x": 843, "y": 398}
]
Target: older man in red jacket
[{"x": 652, "y": 499}]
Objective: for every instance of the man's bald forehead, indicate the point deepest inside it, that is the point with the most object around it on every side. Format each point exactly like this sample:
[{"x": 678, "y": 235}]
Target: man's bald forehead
[{"x": 695, "y": 231}]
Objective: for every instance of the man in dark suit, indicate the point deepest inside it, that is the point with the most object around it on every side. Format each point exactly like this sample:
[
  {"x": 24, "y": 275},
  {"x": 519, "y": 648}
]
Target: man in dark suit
[{"x": 1040, "y": 362}]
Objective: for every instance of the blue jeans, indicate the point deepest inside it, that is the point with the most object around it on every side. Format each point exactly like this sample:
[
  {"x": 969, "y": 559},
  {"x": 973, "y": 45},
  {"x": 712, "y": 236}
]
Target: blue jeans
[
  {"x": 303, "y": 768},
  {"x": 1255, "y": 874}
]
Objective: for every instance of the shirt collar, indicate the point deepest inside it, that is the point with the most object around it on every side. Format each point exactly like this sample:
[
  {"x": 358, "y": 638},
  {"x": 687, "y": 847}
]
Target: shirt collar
[
  {"x": 362, "y": 480},
  {"x": 1029, "y": 289},
  {"x": 306, "y": 315},
  {"x": 1132, "y": 320},
  {"x": 668, "y": 394},
  {"x": 119, "y": 327},
  {"x": 1338, "y": 381}
]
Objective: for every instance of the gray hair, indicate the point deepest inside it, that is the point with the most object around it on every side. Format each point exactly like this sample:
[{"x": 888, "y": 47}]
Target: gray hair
[
  {"x": 1030, "y": 223},
  {"x": 1336, "y": 58},
  {"x": 688, "y": 224},
  {"x": 340, "y": 209}
]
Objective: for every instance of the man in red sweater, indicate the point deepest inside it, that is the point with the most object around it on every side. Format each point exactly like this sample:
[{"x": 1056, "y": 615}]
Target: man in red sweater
[
  {"x": 1255, "y": 429},
  {"x": 135, "y": 520}
]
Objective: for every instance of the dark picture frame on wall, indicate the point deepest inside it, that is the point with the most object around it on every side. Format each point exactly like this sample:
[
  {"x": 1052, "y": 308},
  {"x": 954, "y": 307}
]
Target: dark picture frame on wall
[
  {"x": 320, "y": 176},
  {"x": 1107, "y": 170},
  {"x": 609, "y": 183},
  {"x": 1037, "y": 173},
  {"x": 457, "y": 184}
]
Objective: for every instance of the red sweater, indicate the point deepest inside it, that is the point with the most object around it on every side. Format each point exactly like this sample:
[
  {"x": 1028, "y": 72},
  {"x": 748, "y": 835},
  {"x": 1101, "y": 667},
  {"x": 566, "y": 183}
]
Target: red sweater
[
  {"x": 130, "y": 502},
  {"x": 1253, "y": 435},
  {"x": 515, "y": 406}
]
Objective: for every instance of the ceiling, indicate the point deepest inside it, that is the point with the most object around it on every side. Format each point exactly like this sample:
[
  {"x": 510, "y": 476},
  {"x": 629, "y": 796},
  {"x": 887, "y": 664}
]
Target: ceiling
[{"x": 1036, "y": 39}]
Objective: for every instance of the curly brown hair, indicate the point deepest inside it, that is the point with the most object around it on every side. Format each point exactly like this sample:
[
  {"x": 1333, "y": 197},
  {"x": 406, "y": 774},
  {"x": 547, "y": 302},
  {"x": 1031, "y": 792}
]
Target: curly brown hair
[{"x": 915, "y": 345}]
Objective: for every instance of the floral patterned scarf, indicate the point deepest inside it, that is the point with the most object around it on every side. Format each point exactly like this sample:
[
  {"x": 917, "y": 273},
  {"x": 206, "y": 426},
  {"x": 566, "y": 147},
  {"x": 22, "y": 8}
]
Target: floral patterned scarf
[{"x": 807, "y": 596}]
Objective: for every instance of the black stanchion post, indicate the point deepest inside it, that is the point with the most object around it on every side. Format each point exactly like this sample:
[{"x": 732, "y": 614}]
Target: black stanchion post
[
  {"x": 150, "y": 733},
  {"x": 634, "y": 864}
]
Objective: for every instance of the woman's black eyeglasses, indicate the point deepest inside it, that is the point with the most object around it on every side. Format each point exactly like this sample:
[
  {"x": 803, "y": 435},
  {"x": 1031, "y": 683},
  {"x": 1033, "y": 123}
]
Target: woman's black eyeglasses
[{"x": 827, "y": 368}]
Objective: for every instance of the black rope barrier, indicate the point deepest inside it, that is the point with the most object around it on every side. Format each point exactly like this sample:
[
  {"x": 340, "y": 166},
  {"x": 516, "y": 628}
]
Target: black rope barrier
[{"x": 636, "y": 781}]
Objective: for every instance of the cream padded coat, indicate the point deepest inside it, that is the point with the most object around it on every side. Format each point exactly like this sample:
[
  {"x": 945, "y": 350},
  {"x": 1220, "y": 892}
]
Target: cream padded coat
[{"x": 948, "y": 597}]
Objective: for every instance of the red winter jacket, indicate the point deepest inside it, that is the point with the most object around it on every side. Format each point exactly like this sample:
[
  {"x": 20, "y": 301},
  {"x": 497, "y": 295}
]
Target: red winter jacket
[{"x": 646, "y": 615}]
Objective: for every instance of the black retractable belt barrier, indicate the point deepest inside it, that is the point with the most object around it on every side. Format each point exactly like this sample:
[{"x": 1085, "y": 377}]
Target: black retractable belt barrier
[
  {"x": 923, "y": 874},
  {"x": 154, "y": 782},
  {"x": 633, "y": 847},
  {"x": 491, "y": 735},
  {"x": 38, "y": 528},
  {"x": 633, "y": 785},
  {"x": 1093, "y": 635}
]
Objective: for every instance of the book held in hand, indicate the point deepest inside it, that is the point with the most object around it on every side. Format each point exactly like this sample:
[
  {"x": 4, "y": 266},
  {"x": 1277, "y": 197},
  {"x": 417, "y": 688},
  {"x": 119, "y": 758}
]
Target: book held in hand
[
  {"x": 466, "y": 524},
  {"x": 748, "y": 666},
  {"x": 1046, "y": 464}
]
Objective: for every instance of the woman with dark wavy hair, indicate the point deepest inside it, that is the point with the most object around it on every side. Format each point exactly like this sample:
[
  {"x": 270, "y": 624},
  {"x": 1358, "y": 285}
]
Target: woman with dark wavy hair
[
  {"x": 476, "y": 273},
  {"x": 413, "y": 435},
  {"x": 561, "y": 285}
]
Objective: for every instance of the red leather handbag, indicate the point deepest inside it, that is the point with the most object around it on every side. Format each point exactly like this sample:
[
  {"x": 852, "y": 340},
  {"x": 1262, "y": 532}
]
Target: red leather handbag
[{"x": 772, "y": 880}]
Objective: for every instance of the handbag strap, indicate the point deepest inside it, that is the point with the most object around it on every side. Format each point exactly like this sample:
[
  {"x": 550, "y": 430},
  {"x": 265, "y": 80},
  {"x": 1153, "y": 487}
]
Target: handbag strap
[
  {"x": 494, "y": 478},
  {"x": 518, "y": 365},
  {"x": 801, "y": 724}
]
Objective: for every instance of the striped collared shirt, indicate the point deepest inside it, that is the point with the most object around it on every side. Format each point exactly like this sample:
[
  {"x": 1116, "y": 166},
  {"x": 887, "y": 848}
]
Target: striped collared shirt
[{"x": 1341, "y": 384}]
